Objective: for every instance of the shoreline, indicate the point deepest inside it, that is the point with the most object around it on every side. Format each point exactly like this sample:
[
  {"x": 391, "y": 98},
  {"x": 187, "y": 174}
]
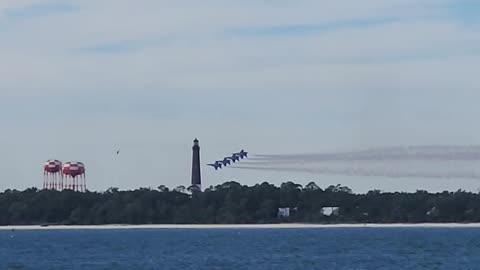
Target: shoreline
[{"x": 238, "y": 226}]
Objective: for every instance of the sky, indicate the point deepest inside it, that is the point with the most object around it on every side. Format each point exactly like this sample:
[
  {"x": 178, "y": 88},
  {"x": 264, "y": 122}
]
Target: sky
[{"x": 80, "y": 79}]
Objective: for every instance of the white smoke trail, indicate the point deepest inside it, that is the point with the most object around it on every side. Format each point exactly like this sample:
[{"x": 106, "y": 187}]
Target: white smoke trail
[
  {"x": 410, "y": 153},
  {"x": 369, "y": 172},
  {"x": 429, "y": 161}
]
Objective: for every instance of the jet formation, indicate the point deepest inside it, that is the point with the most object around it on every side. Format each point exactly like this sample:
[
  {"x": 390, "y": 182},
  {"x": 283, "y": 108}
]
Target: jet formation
[{"x": 229, "y": 160}]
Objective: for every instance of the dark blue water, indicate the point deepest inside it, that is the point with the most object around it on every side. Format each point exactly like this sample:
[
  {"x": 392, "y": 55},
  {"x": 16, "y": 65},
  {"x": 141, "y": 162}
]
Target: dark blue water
[{"x": 242, "y": 249}]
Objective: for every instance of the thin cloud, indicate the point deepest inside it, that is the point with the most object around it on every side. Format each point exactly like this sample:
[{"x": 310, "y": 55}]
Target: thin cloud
[{"x": 11, "y": 12}]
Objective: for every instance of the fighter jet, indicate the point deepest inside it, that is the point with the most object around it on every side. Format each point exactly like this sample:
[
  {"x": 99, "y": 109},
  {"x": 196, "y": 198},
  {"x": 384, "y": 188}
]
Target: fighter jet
[
  {"x": 242, "y": 154},
  {"x": 234, "y": 158},
  {"x": 217, "y": 165},
  {"x": 225, "y": 162}
]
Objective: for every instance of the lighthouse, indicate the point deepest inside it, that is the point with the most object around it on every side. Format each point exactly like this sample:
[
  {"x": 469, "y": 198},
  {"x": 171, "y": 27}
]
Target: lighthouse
[{"x": 196, "y": 175}]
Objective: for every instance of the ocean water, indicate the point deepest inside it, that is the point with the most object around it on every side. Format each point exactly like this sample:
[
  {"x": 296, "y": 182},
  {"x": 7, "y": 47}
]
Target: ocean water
[{"x": 332, "y": 248}]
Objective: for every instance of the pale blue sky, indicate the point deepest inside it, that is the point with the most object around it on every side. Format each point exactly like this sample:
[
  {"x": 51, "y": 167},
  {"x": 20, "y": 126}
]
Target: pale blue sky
[{"x": 79, "y": 79}]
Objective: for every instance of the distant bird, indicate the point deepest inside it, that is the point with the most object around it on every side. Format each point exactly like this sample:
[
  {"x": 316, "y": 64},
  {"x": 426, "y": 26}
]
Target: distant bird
[{"x": 118, "y": 152}]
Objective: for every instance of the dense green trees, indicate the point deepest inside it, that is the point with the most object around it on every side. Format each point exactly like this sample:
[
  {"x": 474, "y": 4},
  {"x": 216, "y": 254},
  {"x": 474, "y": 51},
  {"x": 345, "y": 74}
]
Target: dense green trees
[{"x": 232, "y": 202}]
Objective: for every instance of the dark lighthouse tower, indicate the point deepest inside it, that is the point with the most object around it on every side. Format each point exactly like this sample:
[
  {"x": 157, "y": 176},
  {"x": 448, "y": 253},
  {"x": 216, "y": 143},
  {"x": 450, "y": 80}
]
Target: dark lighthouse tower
[{"x": 196, "y": 177}]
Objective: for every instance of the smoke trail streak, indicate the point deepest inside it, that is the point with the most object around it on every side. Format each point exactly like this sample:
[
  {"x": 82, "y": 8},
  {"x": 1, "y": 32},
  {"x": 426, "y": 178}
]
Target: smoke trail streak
[
  {"x": 410, "y": 153},
  {"x": 427, "y": 161},
  {"x": 368, "y": 172}
]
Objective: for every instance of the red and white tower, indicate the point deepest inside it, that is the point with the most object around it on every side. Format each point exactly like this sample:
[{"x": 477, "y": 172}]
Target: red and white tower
[
  {"x": 74, "y": 176},
  {"x": 52, "y": 175}
]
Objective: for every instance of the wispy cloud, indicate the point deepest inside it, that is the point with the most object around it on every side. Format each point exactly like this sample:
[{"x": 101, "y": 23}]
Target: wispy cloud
[
  {"x": 310, "y": 29},
  {"x": 117, "y": 47},
  {"x": 36, "y": 9}
]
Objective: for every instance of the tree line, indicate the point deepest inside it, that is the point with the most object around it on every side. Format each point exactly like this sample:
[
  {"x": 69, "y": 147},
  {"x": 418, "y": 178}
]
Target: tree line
[{"x": 233, "y": 203}]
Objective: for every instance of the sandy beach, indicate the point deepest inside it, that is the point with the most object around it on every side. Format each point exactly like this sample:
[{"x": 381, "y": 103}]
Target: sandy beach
[{"x": 241, "y": 226}]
